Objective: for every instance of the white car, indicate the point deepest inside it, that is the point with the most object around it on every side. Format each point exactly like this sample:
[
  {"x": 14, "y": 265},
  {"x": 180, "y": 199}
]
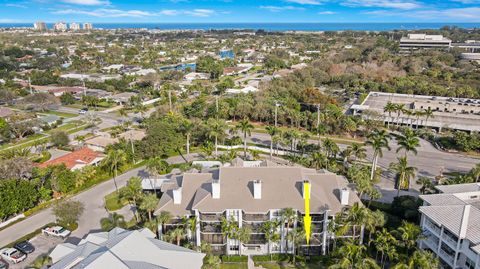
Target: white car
[
  {"x": 12, "y": 255},
  {"x": 57, "y": 231}
]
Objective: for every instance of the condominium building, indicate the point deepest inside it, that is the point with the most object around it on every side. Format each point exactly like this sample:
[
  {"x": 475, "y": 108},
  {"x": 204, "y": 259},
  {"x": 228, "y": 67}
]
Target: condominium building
[
  {"x": 424, "y": 41},
  {"x": 74, "y": 26},
  {"x": 60, "y": 26},
  {"x": 451, "y": 225},
  {"x": 40, "y": 26},
  {"x": 87, "y": 26},
  {"x": 252, "y": 193}
]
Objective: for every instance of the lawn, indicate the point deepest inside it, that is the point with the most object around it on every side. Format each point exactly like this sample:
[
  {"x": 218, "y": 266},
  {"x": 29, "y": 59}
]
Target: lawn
[
  {"x": 26, "y": 142},
  {"x": 275, "y": 265},
  {"x": 61, "y": 114},
  {"x": 113, "y": 202},
  {"x": 233, "y": 266}
]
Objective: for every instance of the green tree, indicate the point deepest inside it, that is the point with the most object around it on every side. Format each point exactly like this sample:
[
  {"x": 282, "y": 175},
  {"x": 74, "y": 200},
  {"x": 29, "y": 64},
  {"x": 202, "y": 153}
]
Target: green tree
[
  {"x": 270, "y": 229},
  {"x": 59, "y": 138},
  {"x": 288, "y": 216},
  {"x": 149, "y": 204},
  {"x": 403, "y": 173},
  {"x": 177, "y": 234},
  {"x": 243, "y": 235},
  {"x": 409, "y": 234},
  {"x": 68, "y": 212},
  {"x": 112, "y": 221},
  {"x": 246, "y": 128},
  {"x": 272, "y": 131},
  {"x": 133, "y": 192},
  {"x": 296, "y": 236},
  {"x": 113, "y": 162},
  {"x": 408, "y": 142},
  {"x": 389, "y": 108},
  {"x": 216, "y": 129},
  {"x": 426, "y": 184},
  {"x": 163, "y": 218},
  {"x": 378, "y": 140}
]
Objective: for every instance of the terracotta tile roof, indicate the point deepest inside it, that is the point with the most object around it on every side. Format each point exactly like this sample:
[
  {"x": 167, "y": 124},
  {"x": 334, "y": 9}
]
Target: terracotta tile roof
[{"x": 81, "y": 156}]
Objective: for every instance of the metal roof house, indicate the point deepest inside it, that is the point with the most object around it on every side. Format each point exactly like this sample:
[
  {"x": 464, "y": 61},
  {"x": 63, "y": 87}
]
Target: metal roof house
[
  {"x": 451, "y": 224},
  {"x": 124, "y": 249}
]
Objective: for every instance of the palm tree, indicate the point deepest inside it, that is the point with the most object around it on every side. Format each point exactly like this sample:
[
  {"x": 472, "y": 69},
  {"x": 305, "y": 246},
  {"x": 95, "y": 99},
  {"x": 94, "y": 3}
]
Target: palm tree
[
  {"x": 157, "y": 166},
  {"x": 133, "y": 192},
  {"x": 113, "y": 161},
  {"x": 216, "y": 129},
  {"x": 272, "y": 131},
  {"x": 389, "y": 108},
  {"x": 409, "y": 234},
  {"x": 211, "y": 262},
  {"x": 403, "y": 173},
  {"x": 113, "y": 220},
  {"x": 331, "y": 148},
  {"x": 399, "y": 108},
  {"x": 207, "y": 148},
  {"x": 428, "y": 113},
  {"x": 319, "y": 160},
  {"x": 163, "y": 218},
  {"x": 358, "y": 151},
  {"x": 352, "y": 255},
  {"x": 296, "y": 236},
  {"x": 246, "y": 128},
  {"x": 418, "y": 114},
  {"x": 384, "y": 242},
  {"x": 408, "y": 142},
  {"x": 378, "y": 140},
  {"x": 243, "y": 236},
  {"x": 475, "y": 172},
  {"x": 270, "y": 229},
  {"x": 178, "y": 234},
  {"x": 426, "y": 184},
  {"x": 228, "y": 228},
  {"x": 186, "y": 127},
  {"x": 288, "y": 216},
  {"x": 346, "y": 154},
  {"x": 149, "y": 204}
]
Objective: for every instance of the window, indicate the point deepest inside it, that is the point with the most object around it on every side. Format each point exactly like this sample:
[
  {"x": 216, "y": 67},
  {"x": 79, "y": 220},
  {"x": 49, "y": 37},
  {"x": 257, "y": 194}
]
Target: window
[{"x": 469, "y": 263}]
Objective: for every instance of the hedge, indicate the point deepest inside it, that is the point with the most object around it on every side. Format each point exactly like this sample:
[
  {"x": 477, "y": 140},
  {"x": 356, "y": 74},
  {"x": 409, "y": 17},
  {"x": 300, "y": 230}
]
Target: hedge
[
  {"x": 234, "y": 258},
  {"x": 274, "y": 257}
]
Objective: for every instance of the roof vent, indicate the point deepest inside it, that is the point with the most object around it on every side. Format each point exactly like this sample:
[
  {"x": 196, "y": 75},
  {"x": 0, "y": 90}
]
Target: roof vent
[
  {"x": 344, "y": 196},
  {"x": 257, "y": 189},
  {"x": 177, "y": 196},
  {"x": 216, "y": 189},
  {"x": 307, "y": 189}
]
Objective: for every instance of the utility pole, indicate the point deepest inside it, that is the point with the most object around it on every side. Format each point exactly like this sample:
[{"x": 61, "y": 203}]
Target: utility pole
[
  {"x": 276, "y": 112},
  {"x": 318, "y": 116},
  {"x": 216, "y": 104}
]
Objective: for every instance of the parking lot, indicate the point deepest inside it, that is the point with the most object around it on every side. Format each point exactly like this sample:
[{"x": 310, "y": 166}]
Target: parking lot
[{"x": 43, "y": 245}]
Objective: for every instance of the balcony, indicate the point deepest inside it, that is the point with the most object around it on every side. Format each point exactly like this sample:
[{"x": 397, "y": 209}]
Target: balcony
[
  {"x": 257, "y": 239},
  {"x": 255, "y": 227},
  {"x": 451, "y": 241},
  {"x": 210, "y": 228},
  {"x": 432, "y": 241},
  {"x": 211, "y": 217},
  {"x": 317, "y": 218},
  {"x": 446, "y": 257},
  {"x": 255, "y": 217},
  {"x": 213, "y": 239},
  {"x": 433, "y": 228}
]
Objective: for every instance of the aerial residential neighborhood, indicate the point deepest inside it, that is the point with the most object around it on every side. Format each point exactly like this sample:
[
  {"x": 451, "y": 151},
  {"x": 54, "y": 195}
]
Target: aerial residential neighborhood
[{"x": 240, "y": 134}]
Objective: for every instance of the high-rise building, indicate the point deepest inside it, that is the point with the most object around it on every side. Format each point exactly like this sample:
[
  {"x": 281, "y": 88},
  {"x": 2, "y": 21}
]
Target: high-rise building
[
  {"x": 40, "y": 26},
  {"x": 74, "y": 26},
  {"x": 60, "y": 26},
  {"x": 87, "y": 26}
]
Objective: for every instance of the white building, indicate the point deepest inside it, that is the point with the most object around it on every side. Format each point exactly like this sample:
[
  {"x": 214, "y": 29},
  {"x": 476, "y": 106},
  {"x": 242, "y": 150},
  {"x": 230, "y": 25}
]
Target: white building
[
  {"x": 451, "y": 225},
  {"x": 74, "y": 26},
  {"x": 87, "y": 26},
  {"x": 60, "y": 26},
  {"x": 422, "y": 41},
  {"x": 123, "y": 249},
  {"x": 40, "y": 26},
  {"x": 247, "y": 89}
]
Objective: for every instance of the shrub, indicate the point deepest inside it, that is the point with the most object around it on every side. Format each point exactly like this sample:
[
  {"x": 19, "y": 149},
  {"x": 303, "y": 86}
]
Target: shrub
[{"x": 234, "y": 258}]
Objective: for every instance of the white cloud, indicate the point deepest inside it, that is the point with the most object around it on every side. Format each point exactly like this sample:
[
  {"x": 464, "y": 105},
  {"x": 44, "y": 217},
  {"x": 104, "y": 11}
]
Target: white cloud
[
  {"x": 169, "y": 12},
  {"x": 452, "y": 14},
  {"x": 200, "y": 12},
  {"x": 16, "y": 5},
  {"x": 280, "y": 8},
  {"x": 87, "y": 2},
  {"x": 106, "y": 13},
  {"x": 327, "y": 12},
  {"x": 395, "y": 4},
  {"x": 305, "y": 2}
]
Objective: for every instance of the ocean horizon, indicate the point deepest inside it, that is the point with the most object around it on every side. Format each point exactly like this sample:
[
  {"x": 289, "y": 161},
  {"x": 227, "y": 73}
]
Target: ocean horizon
[{"x": 269, "y": 26}]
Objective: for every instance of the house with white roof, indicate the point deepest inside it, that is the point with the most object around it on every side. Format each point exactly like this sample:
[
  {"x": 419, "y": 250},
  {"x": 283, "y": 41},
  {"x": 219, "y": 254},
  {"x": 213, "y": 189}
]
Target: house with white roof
[
  {"x": 124, "y": 249},
  {"x": 247, "y": 89},
  {"x": 450, "y": 222}
]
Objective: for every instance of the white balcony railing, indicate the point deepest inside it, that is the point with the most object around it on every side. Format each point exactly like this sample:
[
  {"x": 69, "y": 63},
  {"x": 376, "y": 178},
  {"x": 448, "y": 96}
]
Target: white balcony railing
[
  {"x": 450, "y": 241},
  {"x": 433, "y": 228},
  {"x": 446, "y": 257}
]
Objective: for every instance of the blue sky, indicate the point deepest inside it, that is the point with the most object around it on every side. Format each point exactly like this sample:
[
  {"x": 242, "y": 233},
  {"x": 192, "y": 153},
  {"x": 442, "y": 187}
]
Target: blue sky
[{"x": 188, "y": 11}]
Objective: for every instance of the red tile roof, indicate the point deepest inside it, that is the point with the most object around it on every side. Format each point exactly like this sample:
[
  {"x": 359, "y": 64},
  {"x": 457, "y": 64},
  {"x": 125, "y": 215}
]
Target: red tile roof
[{"x": 81, "y": 156}]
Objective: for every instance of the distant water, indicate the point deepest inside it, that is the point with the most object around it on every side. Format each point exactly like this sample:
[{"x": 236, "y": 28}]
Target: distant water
[{"x": 269, "y": 26}]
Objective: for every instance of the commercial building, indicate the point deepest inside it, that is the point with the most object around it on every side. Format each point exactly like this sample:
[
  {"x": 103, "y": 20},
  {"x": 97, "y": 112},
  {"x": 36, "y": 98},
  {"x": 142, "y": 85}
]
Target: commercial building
[
  {"x": 123, "y": 249},
  {"x": 60, "y": 26},
  {"x": 451, "y": 225},
  {"x": 74, "y": 26},
  {"x": 252, "y": 193},
  {"x": 40, "y": 26},
  {"x": 424, "y": 41},
  {"x": 87, "y": 26},
  {"x": 451, "y": 113}
]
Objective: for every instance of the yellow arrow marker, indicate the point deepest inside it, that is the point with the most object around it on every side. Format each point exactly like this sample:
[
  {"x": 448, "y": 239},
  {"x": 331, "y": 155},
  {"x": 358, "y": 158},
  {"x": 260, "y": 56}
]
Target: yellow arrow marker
[{"x": 307, "y": 219}]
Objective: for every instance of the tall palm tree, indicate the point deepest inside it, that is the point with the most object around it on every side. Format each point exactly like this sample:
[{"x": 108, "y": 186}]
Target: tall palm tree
[
  {"x": 409, "y": 234},
  {"x": 428, "y": 113},
  {"x": 149, "y": 204},
  {"x": 178, "y": 234},
  {"x": 113, "y": 161},
  {"x": 246, "y": 128},
  {"x": 331, "y": 148},
  {"x": 378, "y": 140},
  {"x": 113, "y": 220},
  {"x": 418, "y": 114},
  {"x": 186, "y": 127},
  {"x": 389, "y": 108},
  {"x": 383, "y": 242},
  {"x": 163, "y": 218},
  {"x": 216, "y": 129},
  {"x": 425, "y": 183},
  {"x": 296, "y": 236},
  {"x": 475, "y": 172},
  {"x": 409, "y": 142},
  {"x": 270, "y": 229},
  {"x": 288, "y": 216},
  {"x": 358, "y": 151},
  {"x": 133, "y": 192},
  {"x": 403, "y": 173},
  {"x": 399, "y": 109},
  {"x": 319, "y": 160},
  {"x": 272, "y": 131},
  {"x": 228, "y": 228},
  {"x": 243, "y": 236}
]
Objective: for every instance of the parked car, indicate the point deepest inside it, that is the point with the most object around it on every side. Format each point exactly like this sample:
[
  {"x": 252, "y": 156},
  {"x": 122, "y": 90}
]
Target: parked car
[
  {"x": 3, "y": 264},
  {"x": 12, "y": 255},
  {"x": 25, "y": 247},
  {"x": 57, "y": 231},
  {"x": 83, "y": 110}
]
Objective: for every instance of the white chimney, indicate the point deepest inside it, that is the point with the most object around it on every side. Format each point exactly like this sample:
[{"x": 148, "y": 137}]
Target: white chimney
[
  {"x": 216, "y": 189},
  {"x": 305, "y": 183},
  {"x": 465, "y": 220},
  {"x": 257, "y": 189},
  {"x": 177, "y": 196},
  {"x": 344, "y": 196}
]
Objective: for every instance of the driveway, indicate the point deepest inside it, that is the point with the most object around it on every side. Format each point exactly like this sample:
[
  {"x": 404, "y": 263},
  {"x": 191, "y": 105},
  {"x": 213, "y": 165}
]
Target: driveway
[{"x": 43, "y": 245}]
